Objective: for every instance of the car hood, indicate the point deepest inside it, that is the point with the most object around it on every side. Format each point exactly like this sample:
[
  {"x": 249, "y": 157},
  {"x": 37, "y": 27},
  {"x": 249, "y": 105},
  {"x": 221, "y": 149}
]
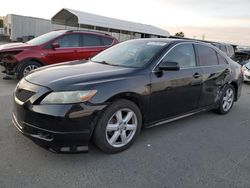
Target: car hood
[
  {"x": 247, "y": 65},
  {"x": 74, "y": 75},
  {"x": 14, "y": 46}
]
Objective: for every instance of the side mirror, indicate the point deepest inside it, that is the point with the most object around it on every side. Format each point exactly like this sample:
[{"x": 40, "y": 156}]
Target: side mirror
[
  {"x": 169, "y": 66},
  {"x": 55, "y": 45}
]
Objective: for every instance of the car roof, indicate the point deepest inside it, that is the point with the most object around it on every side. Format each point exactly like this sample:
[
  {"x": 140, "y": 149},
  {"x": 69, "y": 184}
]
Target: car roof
[
  {"x": 88, "y": 32},
  {"x": 173, "y": 40},
  {"x": 82, "y": 31}
]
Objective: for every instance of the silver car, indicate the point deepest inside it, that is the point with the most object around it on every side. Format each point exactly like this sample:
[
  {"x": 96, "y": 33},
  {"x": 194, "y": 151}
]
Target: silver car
[{"x": 246, "y": 72}]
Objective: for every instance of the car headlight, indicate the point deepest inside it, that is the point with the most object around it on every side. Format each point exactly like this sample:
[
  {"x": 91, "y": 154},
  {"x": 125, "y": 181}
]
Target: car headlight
[
  {"x": 244, "y": 69},
  {"x": 67, "y": 97}
]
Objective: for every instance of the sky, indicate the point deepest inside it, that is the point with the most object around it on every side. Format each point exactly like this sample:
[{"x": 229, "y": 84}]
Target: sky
[{"x": 220, "y": 20}]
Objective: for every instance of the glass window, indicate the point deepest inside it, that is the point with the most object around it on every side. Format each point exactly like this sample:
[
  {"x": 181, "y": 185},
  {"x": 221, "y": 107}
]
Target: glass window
[
  {"x": 223, "y": 48},
  {"x": 230, "y": 50},
  {"x": 207, "y": 55},
  {"x": 68, "y": 41},
  {"x": 183, "y": 55},
  {"x": 221, "y": 59},
  {"x": 45, "y": 38},
  {"x": 91, "y": 40},
  {"x": 107, "y": 41}
]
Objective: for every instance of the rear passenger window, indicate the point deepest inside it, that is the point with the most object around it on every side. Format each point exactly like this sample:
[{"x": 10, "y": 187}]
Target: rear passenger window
[
  {"x": 68, "y": 41},
  {"x": 221, "y": 59},
  {"x": 107, "y": 41},
  {"x": 183, "y": 55},
  {"x": 207, "y": 55},
  {"x": 230, "y": 50},
  {"x": 223, "y": 48},
  {"x": 91, "y": 40}
]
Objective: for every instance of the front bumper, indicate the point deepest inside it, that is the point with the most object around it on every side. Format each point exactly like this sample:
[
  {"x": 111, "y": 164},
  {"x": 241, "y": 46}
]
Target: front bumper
[
  {"x": 10, "y": 68},
  {"x": 59, "y": 128},
  {"x": 61, "y": 142}
]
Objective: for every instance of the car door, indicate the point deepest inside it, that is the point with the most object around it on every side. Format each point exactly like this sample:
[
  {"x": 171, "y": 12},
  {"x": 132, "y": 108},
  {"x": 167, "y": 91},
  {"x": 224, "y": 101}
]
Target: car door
[
  {"x": 67, "y": 49},
  {"x": 176, "y": 92},
  {"x": 215, "y": 71},
  {"x": 91, "y": 45}
]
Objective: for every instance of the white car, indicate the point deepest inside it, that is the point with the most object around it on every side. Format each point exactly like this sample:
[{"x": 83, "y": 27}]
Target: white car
[{"x": 246, "y": 72}]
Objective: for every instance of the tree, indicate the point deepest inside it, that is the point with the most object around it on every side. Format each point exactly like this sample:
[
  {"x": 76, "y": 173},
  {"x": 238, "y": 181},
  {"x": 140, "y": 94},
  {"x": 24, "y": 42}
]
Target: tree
[
  {"x": 179, "y": 34},
  {"x": 1, "y": 23}
]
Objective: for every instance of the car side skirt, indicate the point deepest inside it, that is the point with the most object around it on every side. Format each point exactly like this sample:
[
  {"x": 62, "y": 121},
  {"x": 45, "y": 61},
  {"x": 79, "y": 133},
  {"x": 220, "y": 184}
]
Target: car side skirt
[{"x": 180, "y": 116}]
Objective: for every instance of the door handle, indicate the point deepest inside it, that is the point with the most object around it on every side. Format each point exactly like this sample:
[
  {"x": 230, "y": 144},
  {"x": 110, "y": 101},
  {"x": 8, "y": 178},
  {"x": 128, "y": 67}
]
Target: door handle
[{"x": 196, "y": 75}]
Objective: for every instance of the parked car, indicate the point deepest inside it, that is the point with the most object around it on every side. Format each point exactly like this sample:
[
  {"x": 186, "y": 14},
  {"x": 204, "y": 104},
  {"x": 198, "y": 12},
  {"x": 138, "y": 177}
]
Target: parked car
[
  {"x": 246, "y": 72},
  {"x": 54, "y": 47},
  {"x": 228, "y": 49},
  {"x": 242, "y": 57},
  {"x": 135, "y": 84}
]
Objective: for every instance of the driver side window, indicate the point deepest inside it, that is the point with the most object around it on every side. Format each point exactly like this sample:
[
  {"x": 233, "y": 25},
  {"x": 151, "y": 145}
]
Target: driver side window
[{"x": 182, "y": 54}]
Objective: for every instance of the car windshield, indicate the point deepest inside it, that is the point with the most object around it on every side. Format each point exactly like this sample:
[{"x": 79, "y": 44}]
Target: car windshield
[
  {"x": 45, "y": 38},
  {"x": 134, "y": 53}
]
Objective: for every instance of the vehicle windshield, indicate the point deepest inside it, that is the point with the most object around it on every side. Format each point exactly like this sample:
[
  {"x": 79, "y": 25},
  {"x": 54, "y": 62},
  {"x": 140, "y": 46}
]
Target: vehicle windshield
[
  {"x": 45, "y": 38},
  {"x": 134, "y": 53}
]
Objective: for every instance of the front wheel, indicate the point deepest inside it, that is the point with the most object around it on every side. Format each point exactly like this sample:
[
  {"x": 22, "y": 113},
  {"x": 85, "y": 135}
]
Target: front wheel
[
  {"x": 118, "y": 126},
  {"x": 227, "y": 100},
  {"x": 26, "y": 67}
]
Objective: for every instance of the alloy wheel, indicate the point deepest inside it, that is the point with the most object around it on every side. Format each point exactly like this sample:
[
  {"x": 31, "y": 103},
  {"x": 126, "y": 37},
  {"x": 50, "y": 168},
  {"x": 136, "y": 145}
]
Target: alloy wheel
[
  {"x": 121, "y": 127},
  {"x": 228, "y": 98},
  {"x": 29, "y": 68}
]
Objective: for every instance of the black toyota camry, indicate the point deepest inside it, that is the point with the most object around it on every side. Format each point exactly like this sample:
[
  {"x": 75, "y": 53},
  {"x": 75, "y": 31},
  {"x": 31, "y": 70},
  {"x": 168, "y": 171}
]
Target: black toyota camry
[{"x": 133, "y": 85}]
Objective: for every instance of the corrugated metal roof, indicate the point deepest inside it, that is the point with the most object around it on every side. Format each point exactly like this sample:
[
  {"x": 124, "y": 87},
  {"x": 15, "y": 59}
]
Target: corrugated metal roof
[{"x": 66, "y": 16}]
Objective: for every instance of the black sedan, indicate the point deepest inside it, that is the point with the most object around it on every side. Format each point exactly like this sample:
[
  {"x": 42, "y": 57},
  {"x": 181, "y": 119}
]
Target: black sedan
[{"x": 135, "y": 84}]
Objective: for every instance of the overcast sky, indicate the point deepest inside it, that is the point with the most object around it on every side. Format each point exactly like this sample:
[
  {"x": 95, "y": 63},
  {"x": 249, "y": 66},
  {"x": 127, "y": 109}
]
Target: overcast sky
[{"x": 223, "y": 20}]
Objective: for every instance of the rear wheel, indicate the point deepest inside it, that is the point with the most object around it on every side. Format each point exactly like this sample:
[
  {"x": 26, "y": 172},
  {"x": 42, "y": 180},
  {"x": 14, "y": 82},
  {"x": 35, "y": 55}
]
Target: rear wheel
[
  {"x": 118, "y": 127},
  {"x": 26, "y": 67},
  {"x": 227, "y": 100}
]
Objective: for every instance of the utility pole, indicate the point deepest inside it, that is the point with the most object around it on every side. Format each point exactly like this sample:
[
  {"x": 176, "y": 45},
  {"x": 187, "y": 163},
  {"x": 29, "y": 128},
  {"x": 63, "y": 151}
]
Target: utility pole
[{"x": 203, "y": 36}]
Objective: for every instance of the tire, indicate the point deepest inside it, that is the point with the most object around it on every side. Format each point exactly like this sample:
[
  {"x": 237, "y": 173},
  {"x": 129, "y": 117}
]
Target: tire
[
  {"x": 25, "y": 67},
  {"x": 226, "y": 100},
  {"x": 113, "y": 132}
]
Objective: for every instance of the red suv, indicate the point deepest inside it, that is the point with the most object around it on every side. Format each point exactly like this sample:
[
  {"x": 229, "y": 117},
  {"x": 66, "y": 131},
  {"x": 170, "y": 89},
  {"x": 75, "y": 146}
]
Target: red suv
[{"x": 53, "y": 47}]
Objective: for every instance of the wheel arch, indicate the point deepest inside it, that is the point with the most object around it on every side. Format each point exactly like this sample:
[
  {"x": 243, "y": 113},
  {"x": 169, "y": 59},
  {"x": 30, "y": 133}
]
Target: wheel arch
[
  {"x": 235, "y": 85},
  {"x": 19, "y": 65},
  {"x": 139, "y": 100},
  {"x": 133, "y": 97},
  {"x": 33, "y": 59}
]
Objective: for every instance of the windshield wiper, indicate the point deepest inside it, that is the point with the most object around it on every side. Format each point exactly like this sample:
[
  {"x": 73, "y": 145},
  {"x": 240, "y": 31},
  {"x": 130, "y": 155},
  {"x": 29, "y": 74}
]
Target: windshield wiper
[{"x": 106, "y": 63}]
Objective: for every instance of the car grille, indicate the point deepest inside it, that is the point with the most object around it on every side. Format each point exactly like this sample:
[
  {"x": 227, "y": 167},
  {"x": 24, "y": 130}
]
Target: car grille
[
  {"x": 248, "y": 77},
  {"x": 23, "y": 94}
]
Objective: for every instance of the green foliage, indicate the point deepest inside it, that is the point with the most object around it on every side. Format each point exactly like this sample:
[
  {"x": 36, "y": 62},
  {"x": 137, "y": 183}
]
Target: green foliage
[
  {"x": 1, "y": 23},
  {"x": 179, "y": 34}
]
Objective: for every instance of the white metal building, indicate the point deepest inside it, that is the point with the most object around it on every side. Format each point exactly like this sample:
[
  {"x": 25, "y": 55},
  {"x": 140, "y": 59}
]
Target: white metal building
[
  {"x": 17, "y": 26},
  {"x": 122, "y": 30}
]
